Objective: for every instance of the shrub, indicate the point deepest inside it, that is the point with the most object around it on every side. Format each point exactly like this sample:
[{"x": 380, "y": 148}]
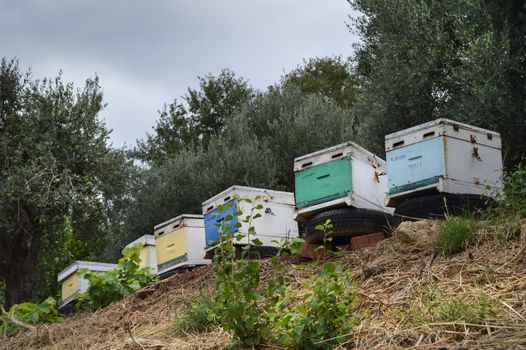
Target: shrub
[
  {"x": 513, "y": 197},
  {"x": 323, "y": 317},
  {"x": 237, "y": 302},
  {"x": 454, "y": 235},
  {"x": 253, "y": 313},
  {"x": 107, "y": 287},
  {"x": 510, "y": 206},
  {"x": 30, "y": 313}
]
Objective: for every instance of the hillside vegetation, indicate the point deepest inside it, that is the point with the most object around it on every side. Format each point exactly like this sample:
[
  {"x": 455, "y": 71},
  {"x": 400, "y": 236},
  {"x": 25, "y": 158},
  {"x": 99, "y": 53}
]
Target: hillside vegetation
[{"x": 410, "y": 295}]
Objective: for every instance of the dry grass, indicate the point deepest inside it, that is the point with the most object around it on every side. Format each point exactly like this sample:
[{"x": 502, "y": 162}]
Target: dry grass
[
  {"x": 411, "y": 298},
  {"x": 401, "y": 313},
  {"x": 147, "y": 316}
]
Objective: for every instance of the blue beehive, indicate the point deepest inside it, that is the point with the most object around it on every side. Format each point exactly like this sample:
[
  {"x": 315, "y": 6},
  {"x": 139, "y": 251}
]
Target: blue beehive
[
  {"x": 442, "y": 156},
  {"x": 275, "y": 221}
]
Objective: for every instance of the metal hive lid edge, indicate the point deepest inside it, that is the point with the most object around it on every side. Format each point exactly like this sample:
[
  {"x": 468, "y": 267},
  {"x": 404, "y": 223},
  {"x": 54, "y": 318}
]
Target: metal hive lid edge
[
  {"x": 440, "y": 121},
  {"x": 177, "y": 218}
]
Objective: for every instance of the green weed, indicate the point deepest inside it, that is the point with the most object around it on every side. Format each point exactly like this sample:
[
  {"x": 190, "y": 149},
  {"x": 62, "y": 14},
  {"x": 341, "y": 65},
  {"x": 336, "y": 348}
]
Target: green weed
[
  {"x": 454, "y": 235},
  {"x": 196, "y": 318}
]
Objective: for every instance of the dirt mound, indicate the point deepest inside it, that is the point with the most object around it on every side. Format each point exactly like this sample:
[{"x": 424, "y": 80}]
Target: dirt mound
[{"x": 410, "y": 298}]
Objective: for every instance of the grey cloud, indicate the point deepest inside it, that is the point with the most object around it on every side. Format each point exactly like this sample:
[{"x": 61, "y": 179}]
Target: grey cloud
[{"x": 148, "y": 52}]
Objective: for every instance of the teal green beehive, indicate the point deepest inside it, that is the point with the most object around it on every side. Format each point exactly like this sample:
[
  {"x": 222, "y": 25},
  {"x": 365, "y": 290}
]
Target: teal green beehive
[
  {"x": 323, "y": 182},
  {"x": 339, "y": 176}
]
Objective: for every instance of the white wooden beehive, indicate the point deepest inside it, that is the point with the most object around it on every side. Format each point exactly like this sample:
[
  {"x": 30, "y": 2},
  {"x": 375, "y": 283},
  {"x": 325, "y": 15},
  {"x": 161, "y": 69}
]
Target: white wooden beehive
[
  {"x": 72, "y": 284},
  {"x": 443, "y": 156},
  {"x": 342, "y": 175},
  {"x": 180, "y": 243},
  {"x": 276, "y": 221},
  {"x": 148, "y": 252}
]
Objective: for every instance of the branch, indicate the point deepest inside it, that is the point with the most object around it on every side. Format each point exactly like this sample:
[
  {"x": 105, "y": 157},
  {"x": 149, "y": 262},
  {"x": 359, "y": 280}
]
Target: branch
[{"x": 15, "y": 321}]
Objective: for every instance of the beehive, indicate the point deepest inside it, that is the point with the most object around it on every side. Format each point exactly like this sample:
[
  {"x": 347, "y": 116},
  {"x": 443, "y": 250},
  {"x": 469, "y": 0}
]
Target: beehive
[
  {"x": 73, "y": 285},
  {"x": 276, "y": 221},
  {"x": 180, "y": 242},
  {"x": 339, "y": 176},
  {"x": 442, "y": 156},
  {"x": 148, "y": 252}
]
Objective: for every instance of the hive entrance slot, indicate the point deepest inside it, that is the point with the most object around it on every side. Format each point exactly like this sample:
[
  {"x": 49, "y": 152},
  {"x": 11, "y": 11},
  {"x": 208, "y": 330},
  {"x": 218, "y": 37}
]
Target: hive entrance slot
[
  {"x": 304, "y": 165},
  {"x": 429, "y": 134},
  {"x": 323, "y": 176},
  {"x": 337, "y": 155},
  {"x": 398, "y": 144},
  {"x": 226, "y": 199},
  {"x": 490, "y": 136},
  {"x": 210, "y": 208}
]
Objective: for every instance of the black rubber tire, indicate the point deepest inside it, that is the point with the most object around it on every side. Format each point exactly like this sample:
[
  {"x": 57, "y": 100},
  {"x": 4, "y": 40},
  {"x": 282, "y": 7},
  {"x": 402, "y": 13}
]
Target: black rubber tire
[
  {"x": 347, "y": 223},
  {"x": 440, "y": 205}
]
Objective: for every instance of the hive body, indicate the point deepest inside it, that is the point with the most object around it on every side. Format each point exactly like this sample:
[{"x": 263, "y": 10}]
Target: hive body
[
  {"x": 339, "y": 176},
  {"x": 180, "y": 243},
  {"x": 442, "y": 156},
  {"x": 276, "y": 221}
]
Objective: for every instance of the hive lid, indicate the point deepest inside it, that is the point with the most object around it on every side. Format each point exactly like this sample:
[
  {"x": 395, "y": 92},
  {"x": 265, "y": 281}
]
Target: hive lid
[
  {"x": 441, "y": 127},
  {"x": 247, "y": 192},
  {"x": 144, "y": 240},
  {"x": 91, "y": 265},
  {"x": 177, "y": 220},
  {"x": 333, "y": 153}
]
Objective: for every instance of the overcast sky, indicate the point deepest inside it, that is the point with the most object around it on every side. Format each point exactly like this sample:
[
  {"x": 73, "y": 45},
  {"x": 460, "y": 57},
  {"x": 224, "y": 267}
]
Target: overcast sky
[{"x": 148, "y": 52}]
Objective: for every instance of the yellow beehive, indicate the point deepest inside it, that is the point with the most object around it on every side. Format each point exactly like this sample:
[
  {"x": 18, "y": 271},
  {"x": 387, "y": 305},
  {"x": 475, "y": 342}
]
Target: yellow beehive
[
  {"x": 180, "y": 242},
  {"x": 148, "y": 252},
  {"x": 73, "y": 285}
]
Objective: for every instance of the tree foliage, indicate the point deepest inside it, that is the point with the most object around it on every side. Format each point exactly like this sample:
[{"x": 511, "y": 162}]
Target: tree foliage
[
  {"x": 202, "y": 114},
  {"x": 328, "y": 77},
  {"x": 55, "y": 163},
  {"x": 257, "y": 148},
  {"x": 422, "y": 60}
]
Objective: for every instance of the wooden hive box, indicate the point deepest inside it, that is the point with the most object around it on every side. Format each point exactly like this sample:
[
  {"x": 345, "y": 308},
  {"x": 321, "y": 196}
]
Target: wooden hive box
[
  {"x": 339, "y": 176},
  {"x": 442, "y": 156},
  {"x": 148, "y": 252},
  {"x": 276, "y": 221},
  {"x": 73, "y": 285},
  {"x": 180, "y": 243}
]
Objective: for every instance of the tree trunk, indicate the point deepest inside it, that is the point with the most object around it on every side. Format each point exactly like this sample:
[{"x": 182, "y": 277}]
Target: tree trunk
[{"x": 19, "y": 268}]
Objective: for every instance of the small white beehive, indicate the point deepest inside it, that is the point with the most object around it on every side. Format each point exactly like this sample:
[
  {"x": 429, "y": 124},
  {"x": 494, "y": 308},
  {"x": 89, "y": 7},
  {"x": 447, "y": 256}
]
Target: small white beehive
[
  {"x": 339, "y": 176},
  {"x": 443, "y": 156},
  {"x": 148, "y": 252},
  {"x": 180, "y": 243},
  {"x": 73, "y": 284},
  {"x": 276, "y": 221}
]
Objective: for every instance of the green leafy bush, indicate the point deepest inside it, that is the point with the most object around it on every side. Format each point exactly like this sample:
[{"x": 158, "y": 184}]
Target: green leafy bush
[
  {"x": 513, "y": 197},
  {"x": 510, "y": 207},
  {"x": 30, "y": 313},
  {"x": 237, "y": 303},
  {"x": 254, "y": 313},
  {"x": 107, "y": 287},
  {"x": 454, "y": 235},
  {"x": 323, "y": 318}
]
